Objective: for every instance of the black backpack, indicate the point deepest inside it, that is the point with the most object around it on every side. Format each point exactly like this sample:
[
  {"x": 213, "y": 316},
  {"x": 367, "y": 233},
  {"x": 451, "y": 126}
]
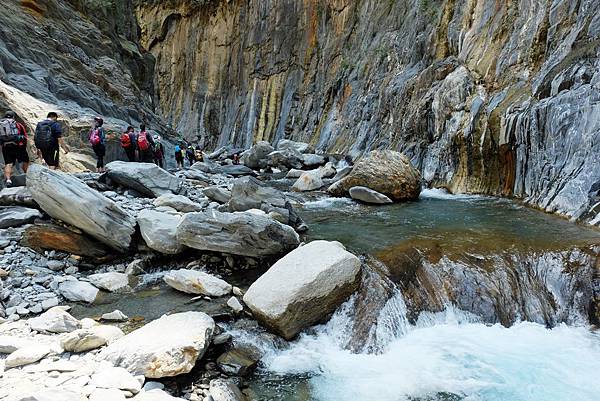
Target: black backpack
[{"x": 43, "y": 135}]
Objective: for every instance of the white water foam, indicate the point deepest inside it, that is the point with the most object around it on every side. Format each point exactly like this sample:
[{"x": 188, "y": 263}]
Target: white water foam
[
  {"x": 447, "y": 353},
  {"x": 326, "y": 203},
  {"x": 440, "y": 193}
]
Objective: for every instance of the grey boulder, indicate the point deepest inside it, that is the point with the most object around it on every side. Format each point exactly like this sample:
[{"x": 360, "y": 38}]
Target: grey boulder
[
  {"x": 159, "y": 231},
  {"x": 217, "y": 194},
  {"x": 146, "y": 178},
  {"x": 300, "y": 147},
  {"x": 368, "y": 195},
  {"x": 178, "y": 202},
  {"x": 14, "y": 216},
  {"x": 256, "y": 157},
  {"x": 78, "y": 291},
  {"x": 240, "y": 233},
  {"x": 16, "y": 196},
  {"x": 68, "y": 199}
]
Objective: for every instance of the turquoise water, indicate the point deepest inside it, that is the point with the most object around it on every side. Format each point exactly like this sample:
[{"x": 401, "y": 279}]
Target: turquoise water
[
  {"x": 446, "y": 219},
  {"x": 443, "y": 357}
]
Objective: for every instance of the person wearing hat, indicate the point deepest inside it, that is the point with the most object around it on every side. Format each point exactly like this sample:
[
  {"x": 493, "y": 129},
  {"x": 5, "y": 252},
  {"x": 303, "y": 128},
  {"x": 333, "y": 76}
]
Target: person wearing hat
[
  {"x": 13, "y": 139},
  {"x": 97, "y": 139}
]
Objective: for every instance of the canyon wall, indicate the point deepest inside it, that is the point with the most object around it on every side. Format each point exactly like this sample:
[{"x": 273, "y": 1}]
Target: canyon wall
[{"x": 496, "y": 97}]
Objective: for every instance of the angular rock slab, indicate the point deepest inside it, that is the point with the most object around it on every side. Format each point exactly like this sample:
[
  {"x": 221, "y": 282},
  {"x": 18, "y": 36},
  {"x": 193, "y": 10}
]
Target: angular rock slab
[
  {"x": 145, "y": 178},
  {"x": 159, "y": 231},
  {"x": 76, "y": 291},
  {"x": 66, "y": 198},
  {"x": 385, "y": 171},
  {"x": 308, "y": 181},
  {"x": 111, "y": 281},
  {"x": 367, "y": 195},
  {"x": 256, "y": 157},
  {"x": 155, "y": 395},
  {"x": 196, "y": 282},
  {"x": 178, "y": 202},
  {"x": 14, "y": 216},
  {"x": 165, "y": 347},
  {"x": 87, "y": 339},
  {"x": 246, "y": 234},
  {"x": 16, "y": 196},
  {"x": 54, "y": 320},
  {"x": 48, "y": 236},
  {"x": 303, "y": 287}
]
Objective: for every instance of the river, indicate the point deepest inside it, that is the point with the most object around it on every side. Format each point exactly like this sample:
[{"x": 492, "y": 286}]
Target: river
[{"x": 447, "y": 355}]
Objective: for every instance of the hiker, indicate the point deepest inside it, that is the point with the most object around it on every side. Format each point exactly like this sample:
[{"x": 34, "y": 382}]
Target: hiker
[
  {"x": 48, "y": 138},
  {"x": 190, "y": 154},
  {"x": 129, "y": 143},
  {"x": 236, "y": 158},
  {"x": 159, "y": 151},
  {"x": 97, "y": 139},
  {"x": 179, "y": 156},
  {"x": 13, "y": 139},
  {"x": 145, "y": 145},
  {"x": 198, "y": 156}
]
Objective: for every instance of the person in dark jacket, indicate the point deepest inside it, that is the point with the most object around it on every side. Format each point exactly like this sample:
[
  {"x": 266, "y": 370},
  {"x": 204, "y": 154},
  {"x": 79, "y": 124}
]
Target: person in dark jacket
[
  {"x": 48, "y": 139},
  {"x": 145, "y": 145},
  {"x": 190, "y": 153},
  {"x": 97, "y": 138},
  {"x": 15, "y": 152}
]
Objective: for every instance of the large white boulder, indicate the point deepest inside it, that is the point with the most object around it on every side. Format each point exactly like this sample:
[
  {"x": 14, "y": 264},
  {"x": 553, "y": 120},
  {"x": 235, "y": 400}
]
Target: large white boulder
[
  {"x": 242, "y": 233},
  {"x": 303, "y": 287},
  {"x": 54, "y": 320},
  {"x": 165, "y": 347},
  {"x": 78, "y": 291},
  {"x": 111, "y": 281},
  {"x": 196, "y": 282},
  {"x": 159, "y": 231},
  {"x": 27, "y": 355},
  {"x": 68, "y": 199},
  {"x": 146, "y": 178}
]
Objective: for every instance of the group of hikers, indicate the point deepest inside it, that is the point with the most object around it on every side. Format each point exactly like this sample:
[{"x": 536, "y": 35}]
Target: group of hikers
[{"x": 138, "y": 146}]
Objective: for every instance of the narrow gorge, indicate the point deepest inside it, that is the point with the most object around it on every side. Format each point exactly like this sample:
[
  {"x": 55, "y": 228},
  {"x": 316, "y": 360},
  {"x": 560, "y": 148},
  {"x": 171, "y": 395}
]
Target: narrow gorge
[{"x": 388, "y": 200}]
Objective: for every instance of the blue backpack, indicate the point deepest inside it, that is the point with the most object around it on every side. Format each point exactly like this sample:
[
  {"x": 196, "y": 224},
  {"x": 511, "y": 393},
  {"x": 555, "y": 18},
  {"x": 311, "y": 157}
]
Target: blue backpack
[{"x": 177, "y": 149}]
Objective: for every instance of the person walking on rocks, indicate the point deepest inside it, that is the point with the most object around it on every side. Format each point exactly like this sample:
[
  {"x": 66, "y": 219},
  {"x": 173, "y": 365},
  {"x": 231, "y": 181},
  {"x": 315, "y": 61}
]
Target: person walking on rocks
[
  {"x": 190, "y": 154},
  {"x": 159, "y": 151},
  {"x": 129, "y": 143},
  {"x": 179, "y": 156},
  {"x": 198, "y": 155},
  {"x": 145, "y": 145},
  {"x": 48, "y": 139},
  {"x": 13, "y": 139},
  {"x": 97, "y": 139}
]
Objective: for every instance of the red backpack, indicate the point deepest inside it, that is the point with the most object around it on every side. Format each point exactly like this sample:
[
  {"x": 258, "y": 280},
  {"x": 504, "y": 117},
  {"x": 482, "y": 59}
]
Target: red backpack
[
  {"x": 143, "y": 143},
  {"x": 125, "y": 140},
  {"x": 95, "y": 137}
]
